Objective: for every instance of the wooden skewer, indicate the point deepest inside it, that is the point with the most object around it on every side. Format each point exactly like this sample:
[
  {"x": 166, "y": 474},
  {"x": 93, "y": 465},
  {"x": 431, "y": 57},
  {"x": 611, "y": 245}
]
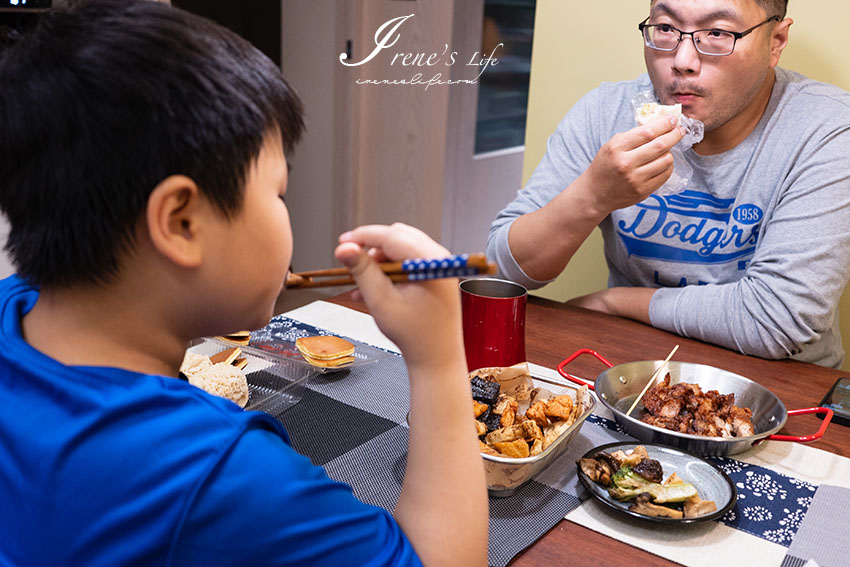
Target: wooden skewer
[
  {"x": 396, "y": 271},
  {"x": 651, "y": 380}
]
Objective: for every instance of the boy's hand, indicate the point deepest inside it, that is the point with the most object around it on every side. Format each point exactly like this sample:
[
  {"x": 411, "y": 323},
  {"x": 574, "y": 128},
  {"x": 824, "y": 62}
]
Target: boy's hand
[
  {"x": 446, "y": 522},
  {"x": 422, "y": 318},
  {"x": 633, "y": 164}
]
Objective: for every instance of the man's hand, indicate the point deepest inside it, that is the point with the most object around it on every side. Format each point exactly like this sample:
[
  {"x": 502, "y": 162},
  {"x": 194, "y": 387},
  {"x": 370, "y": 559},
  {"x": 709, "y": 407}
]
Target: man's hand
[
  {"x": 629, "y": 167},
  {"x": 632, "y": 164}
]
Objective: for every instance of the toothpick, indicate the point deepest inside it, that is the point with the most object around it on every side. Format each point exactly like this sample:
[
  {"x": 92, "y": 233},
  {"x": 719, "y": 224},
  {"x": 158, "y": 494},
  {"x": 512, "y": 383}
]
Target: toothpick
[{"x": 655, "y": 375}]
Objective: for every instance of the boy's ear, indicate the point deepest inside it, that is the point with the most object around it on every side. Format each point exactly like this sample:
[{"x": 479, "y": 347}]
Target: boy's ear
[{"x": 174, "y": 215}]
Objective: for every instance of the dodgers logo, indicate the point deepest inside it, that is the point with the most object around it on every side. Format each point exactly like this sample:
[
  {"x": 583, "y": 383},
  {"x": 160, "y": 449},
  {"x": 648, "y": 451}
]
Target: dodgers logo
[{"x": 693, "y": 227}]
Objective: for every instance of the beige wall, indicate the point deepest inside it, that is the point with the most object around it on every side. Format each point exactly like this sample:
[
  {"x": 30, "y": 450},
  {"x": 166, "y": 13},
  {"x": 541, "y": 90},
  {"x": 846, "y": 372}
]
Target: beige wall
[{"x": 568, "y": 62}]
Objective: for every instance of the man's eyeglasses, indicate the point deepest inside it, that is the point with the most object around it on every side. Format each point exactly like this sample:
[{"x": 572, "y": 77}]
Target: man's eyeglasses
[{"x": 665, "y": 37}]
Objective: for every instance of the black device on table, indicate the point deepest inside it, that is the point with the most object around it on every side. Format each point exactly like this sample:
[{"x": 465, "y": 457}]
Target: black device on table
[{"x": 838, "y": 400}]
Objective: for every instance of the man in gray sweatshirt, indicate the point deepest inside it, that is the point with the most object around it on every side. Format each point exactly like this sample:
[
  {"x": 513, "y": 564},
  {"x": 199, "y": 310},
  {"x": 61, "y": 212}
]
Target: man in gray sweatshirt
[{"x": 753, "y": 252}]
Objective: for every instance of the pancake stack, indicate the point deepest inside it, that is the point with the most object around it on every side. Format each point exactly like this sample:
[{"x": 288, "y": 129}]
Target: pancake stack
[
  {"x": 325, "y": 351},
  {"x": 240, "y": 338}
]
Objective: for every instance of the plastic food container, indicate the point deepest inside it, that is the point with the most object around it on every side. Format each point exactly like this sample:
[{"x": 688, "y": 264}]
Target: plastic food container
[
  {"x": 275, "y": 382},
  {"x": 505, "y": 475}
]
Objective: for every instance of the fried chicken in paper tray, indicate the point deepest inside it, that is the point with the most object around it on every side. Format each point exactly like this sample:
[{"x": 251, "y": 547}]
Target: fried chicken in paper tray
[{"x": 516, "y": 419}]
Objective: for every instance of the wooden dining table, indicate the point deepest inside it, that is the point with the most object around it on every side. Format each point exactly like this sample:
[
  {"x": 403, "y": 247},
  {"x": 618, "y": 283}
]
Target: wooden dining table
[{"x": 555, "y": 330}]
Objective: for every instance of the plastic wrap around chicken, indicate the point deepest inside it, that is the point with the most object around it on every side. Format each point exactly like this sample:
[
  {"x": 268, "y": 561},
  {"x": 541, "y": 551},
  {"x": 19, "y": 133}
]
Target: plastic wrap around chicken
[
  {"x": 647, "y": 108},
  {"x": 523, "y": 428}
]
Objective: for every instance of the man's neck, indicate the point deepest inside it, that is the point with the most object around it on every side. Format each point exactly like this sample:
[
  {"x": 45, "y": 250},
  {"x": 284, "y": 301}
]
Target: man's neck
[
  {"x": 101, "y": 326},
  {"x": 736, "y": 130}
]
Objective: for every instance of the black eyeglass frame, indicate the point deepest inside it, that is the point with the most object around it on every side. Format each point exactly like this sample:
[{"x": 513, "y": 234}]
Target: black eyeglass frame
[{"x": 736, "y": 35}]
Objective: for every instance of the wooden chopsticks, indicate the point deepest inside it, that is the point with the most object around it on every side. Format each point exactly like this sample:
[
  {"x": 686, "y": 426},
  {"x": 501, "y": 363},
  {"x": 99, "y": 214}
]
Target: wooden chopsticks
[{"x": 418, "y": 269}]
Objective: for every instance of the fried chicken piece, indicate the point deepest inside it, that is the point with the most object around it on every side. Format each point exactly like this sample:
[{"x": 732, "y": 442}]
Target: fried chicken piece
[
  {"x": 687, "y": 409},
  {"x": 516, "y": 449},
  {"x": 742, "y": 422},
  {"x": 536, "y": 448},
  {"x": 503, "y": 402},
  {"x": 509, "y": 417},
  {"x": 505, "y": 434},
  {"x": 506, "y": 406},
  {"x": 537, "y": 412},
  {"x": 487, "y": 449},
  {"x": 531, "y": 431},
  {"x": 559, "y": 407},
  {"x": 704, "y": 427},
  {"x": 480, "y": 428},
  {"x": 478, "y": 408}
]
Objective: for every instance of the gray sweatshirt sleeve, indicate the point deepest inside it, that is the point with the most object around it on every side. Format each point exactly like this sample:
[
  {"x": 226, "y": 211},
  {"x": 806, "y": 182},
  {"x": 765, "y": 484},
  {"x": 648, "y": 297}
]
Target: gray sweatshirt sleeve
[{"x": 786, "y": 303}]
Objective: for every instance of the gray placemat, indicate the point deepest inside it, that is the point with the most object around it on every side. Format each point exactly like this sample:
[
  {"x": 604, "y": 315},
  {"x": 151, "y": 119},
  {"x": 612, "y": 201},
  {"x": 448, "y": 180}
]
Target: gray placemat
[
  {"x": 381, "y": 388},
  {"x": 822, "y": 535},
  {"x": 375, "y": 471}
]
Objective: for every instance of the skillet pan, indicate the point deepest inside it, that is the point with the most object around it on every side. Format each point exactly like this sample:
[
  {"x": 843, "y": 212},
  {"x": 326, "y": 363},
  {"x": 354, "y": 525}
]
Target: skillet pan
[{"x": 618, "y": 386}]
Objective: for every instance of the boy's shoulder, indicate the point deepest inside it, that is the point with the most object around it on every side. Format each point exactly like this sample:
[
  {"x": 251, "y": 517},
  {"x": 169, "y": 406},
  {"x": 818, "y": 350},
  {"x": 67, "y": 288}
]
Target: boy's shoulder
[
  {"x": 125, "y": 453},
  {"x": 118, "y": 407}
]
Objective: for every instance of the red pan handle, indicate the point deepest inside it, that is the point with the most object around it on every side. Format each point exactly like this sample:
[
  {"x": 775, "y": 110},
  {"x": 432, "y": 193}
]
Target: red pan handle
[
  {"x": 827, "y": 418},
  {"x": 574, "y": 356}
]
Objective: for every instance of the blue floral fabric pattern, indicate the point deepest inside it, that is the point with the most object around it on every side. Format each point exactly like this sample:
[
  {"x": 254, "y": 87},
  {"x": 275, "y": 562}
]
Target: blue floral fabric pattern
[
  {"x": 285, "y": 329},
  {"x": 770, "y": 505}
]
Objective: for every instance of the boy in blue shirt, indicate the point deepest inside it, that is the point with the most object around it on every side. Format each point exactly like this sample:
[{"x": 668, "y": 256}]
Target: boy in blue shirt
[{"x": 143, "y": 172}]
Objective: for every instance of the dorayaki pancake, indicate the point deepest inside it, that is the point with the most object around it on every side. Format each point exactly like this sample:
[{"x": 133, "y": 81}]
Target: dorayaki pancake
[
  {"x": 336, "y": 362},
  {"x": 239, "y": 338},
  {"x": 324, "y": 347}
]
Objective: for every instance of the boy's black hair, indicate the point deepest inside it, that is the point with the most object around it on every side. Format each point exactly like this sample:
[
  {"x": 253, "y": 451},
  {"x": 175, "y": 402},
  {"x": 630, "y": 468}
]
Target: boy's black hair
[{"x": 106, "y": 98}]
